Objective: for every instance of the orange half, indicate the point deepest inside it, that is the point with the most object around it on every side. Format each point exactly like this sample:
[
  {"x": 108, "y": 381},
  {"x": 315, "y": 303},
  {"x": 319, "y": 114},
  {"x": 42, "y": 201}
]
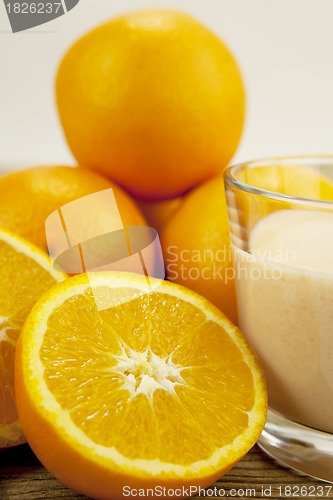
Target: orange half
[
  {"x": 157, "y": 388},
  {"x": 25, "y": 274}
]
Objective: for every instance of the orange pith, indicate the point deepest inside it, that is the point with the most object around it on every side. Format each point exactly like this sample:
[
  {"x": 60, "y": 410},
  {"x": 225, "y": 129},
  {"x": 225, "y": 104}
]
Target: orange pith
[
  {"x": 23, "y": 281},
  {"x": 159, "y": 388}
]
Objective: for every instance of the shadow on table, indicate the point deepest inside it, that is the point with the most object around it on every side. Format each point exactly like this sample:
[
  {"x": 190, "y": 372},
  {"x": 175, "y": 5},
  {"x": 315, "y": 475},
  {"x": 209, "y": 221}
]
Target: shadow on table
[{"x": 18, "y": 457}]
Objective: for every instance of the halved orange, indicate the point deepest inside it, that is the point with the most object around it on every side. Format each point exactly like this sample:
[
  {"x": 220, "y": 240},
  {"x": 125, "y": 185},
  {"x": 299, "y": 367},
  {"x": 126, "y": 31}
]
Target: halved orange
[
  {"x": 120, "y": 388},
  {"x": 25, "y": 274}
]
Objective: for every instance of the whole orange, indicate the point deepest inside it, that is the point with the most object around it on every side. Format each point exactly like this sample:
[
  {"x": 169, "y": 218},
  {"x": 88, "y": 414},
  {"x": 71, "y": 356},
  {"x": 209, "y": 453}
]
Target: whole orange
[
  {"x": 196, "y": 246},
  {"x": 29, "y": 196},
  {"x": 154, "y": 100}
]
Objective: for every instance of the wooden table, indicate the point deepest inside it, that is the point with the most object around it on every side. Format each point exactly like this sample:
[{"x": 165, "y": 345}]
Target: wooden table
[{"x": 23, "y": 478}]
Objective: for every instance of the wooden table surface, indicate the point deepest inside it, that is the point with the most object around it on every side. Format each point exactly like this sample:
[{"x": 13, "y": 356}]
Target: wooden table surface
[{"x": 257, "y": 476}]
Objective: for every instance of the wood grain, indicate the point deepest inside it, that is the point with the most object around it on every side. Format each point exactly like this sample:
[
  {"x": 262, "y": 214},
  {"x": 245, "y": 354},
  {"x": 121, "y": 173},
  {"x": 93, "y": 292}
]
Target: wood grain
[{"x": 23, "y": 478}]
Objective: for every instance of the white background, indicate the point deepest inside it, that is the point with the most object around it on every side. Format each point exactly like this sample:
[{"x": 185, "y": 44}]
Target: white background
[{"x": 284, "y": 48}]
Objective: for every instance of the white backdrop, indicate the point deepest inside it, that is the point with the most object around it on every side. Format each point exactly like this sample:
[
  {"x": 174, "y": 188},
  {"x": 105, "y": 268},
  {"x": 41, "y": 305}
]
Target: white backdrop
[{"x": 284, "y": 48}]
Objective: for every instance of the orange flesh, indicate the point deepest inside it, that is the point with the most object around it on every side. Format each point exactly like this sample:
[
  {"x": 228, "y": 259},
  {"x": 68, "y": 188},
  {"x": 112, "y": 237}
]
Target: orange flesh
[
  {"x": 22, "y": 282},
  {"x": 213, "y": 376}
]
